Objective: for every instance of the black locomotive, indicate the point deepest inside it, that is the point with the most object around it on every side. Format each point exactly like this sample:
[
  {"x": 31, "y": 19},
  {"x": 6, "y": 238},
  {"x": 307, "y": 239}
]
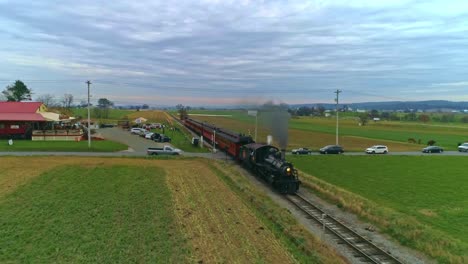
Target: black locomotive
[
  {"x": 265, "y": 161},
  {"x": 268, "y": 163}
]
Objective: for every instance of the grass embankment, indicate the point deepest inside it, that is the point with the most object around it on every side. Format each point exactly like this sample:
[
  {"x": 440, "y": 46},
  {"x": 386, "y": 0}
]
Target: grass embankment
[
  {"x": 305, "y": 247},
  {"x": 420, "y": 201},
  {"x": 105, "y": 214},
  {"x": 69, "y": 146}
]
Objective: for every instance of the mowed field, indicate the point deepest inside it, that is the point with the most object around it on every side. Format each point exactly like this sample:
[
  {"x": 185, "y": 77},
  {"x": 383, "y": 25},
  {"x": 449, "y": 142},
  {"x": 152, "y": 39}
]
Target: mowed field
[
  {"x": 114, "y": 210},
  {"x": 420, "y": 201},
  {"x": 315, "y": 132}
]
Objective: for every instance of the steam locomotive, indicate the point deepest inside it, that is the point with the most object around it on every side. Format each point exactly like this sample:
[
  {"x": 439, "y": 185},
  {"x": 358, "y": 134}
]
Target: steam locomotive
[{"x": 265, "y": 161}]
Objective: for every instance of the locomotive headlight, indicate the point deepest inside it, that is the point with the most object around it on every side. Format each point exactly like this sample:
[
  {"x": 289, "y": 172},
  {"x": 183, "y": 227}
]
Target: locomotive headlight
[{"x": 288, "y": 170}]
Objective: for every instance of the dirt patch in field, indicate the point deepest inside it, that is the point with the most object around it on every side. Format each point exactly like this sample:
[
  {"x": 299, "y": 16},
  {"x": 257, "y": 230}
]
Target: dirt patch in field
[
  {"x": 152, "y": 116},
  {"x": 220, "y": 227},
  {"x": 428, "y": 212}
]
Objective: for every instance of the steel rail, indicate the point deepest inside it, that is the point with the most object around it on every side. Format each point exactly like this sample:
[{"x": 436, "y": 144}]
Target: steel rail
[{"x": 364, "y": 247}]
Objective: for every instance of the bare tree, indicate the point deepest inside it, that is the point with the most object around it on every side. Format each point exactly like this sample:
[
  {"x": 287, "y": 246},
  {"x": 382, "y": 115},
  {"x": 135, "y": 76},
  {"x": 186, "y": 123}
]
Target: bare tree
[
  {"x": 67, "y": 100},
  {"x": 46, "y": 99}
]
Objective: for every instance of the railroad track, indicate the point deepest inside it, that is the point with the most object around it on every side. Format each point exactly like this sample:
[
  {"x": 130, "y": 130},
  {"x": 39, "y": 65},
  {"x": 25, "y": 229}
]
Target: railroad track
[{"x": 363, "y": 248}]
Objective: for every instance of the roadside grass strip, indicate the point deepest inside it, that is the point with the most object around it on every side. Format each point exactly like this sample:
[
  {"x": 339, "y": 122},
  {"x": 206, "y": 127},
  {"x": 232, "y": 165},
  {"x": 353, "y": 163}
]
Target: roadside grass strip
[
  {"x": 68, "y": 146},
  {"x": 420, "y": 201},
  {"x": 91, "y": 214},
  {"x": 305, "y": 247}
]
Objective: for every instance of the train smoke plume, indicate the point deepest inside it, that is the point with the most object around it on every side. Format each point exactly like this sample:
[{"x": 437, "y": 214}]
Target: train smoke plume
[{"x": 276, "y": 119}]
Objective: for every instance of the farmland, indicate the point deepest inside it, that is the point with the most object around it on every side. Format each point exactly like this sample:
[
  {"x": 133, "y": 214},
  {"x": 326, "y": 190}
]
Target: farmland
[
  {"x": 419, "y": 200},
  {"x": 140, "y": 210},
  {"x": 315, "y": 132}
]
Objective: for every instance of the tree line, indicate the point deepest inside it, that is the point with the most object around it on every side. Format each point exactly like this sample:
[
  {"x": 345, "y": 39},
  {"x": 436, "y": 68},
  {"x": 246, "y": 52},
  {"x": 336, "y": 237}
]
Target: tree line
[{"x": 19, "y": 91}]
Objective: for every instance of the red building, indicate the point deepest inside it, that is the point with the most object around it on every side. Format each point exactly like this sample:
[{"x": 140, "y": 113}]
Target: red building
[{"x": 18, "y": 119}]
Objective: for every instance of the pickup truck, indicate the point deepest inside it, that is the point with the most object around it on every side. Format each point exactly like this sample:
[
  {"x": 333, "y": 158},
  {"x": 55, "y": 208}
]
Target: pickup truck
[{"x": 166, "y": 150}]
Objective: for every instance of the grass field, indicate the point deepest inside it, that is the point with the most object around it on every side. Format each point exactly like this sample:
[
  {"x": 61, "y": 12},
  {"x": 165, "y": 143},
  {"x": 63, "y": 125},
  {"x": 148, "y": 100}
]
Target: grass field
[
  {"x": 426, "y": 197},
  {"x": 114, "y": 210},
  {"x": 316, "y": 132},
  {"x": 72, "y": 146},
  {"x": 91, "y": 214},
  {"x": 114, "y": 114}
]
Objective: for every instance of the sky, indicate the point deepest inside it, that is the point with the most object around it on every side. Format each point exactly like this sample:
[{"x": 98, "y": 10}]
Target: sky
[{"x": 220, "y": 53}]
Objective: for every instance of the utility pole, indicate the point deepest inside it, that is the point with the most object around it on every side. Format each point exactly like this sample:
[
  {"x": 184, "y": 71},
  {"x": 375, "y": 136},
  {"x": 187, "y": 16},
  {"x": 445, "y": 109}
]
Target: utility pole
[
  {"x": 89, "y": 118},
  {"x": 336, "y": 100}
]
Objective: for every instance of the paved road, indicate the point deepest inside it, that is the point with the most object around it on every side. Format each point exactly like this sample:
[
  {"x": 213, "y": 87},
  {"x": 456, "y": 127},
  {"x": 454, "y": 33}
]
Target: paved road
[
  {"x": 403, "y": 153},
  {"x": 137, "y": 147}
]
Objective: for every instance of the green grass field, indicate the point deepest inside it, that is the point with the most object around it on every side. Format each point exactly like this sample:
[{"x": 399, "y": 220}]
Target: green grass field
[
  {"x": 72, "y": 146},
  {"x": 445, "y": 135},
  {"x": 433, "y": 190},
  {"x": 114, "y": 114},
  {"x": 74, "y": 214}
]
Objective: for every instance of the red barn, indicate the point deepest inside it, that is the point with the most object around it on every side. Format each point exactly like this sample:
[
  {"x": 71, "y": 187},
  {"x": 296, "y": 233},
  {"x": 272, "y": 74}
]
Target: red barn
[{"x": 18, "y": 119}]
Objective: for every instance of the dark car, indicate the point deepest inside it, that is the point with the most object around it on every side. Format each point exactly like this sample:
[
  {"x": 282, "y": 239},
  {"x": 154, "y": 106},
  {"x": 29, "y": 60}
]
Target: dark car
[
  {"x": 155, "y": 136},
  {"x": 332, "y": 149},
  {"x": 163, "y": 138},
  {"x": 432, "y": 149},
  {"x": 301, "y": 151}
]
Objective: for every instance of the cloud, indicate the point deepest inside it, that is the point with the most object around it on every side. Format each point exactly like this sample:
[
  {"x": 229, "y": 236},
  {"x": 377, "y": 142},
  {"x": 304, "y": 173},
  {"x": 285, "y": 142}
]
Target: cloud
[{"x": 226, "y": 50}]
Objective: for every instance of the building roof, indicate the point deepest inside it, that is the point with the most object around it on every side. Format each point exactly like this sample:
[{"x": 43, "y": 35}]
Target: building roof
[
  {"x": 21, "y": 111},
  {"x": 21, "y": 117},
  {"x": 19, "y": 107}
]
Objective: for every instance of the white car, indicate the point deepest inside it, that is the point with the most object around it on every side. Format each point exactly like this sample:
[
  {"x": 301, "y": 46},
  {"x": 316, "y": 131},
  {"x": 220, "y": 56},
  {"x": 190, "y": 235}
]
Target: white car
[
  {"x": 136, "y": 130},
  {"x": 149, "y": 135},
  {"x": 463, "y": 147},
  {"x": 377, "y": 149}
]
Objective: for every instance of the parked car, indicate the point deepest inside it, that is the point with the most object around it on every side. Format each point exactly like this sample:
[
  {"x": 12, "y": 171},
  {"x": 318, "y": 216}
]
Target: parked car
[
  {"x": 377, "y": 149},
  {"x": 332, "y": 149},
  {"x": 301, "y": 151},
  {"x": 144, "y": 133},
  {"x": 149, "y": 135},
  {"x": 463, "y": 147},
  {"x": 155, "y": 125},
  {"x": 155, "y": 136},
  {"x": 164, "y": 138},
  {"x": 136, "y": 130},
  {"x": 432, "y": 149}
]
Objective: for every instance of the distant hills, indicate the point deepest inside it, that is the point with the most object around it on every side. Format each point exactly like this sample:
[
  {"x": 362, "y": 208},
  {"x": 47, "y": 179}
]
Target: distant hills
[{"x": 433, "y": 105}]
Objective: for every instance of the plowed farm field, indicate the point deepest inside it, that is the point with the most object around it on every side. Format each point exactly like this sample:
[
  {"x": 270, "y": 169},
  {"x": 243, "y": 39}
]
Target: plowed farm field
[{"x": 78, "y": 209}]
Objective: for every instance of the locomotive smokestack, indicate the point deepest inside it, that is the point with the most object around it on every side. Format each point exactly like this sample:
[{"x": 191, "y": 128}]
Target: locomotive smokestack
[{"x": 283, "y": 154}]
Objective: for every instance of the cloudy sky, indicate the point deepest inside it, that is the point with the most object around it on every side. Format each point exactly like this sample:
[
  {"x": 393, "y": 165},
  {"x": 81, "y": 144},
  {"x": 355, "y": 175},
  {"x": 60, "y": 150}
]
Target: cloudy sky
[{"x": 223, "y": 52}]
